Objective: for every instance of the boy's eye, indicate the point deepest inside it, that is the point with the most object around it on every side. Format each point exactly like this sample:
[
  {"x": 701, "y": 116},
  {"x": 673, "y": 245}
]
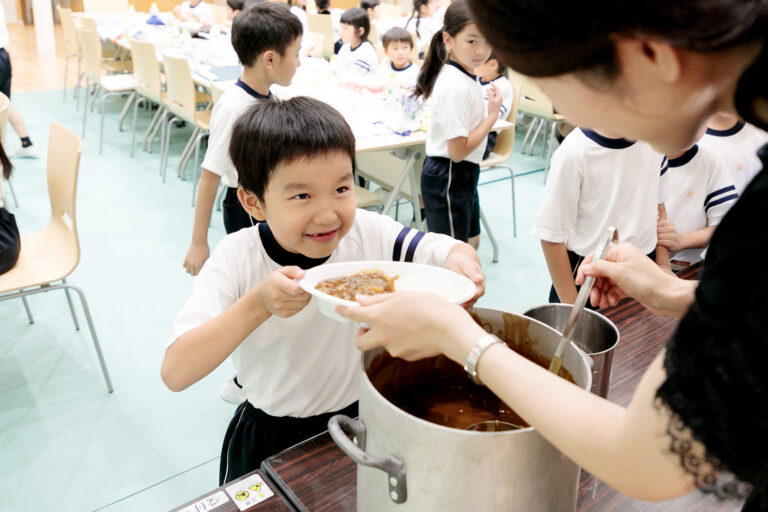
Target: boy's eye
[
  {"x": 301, "y": 196},
  {"x": 341, "y": 190}
]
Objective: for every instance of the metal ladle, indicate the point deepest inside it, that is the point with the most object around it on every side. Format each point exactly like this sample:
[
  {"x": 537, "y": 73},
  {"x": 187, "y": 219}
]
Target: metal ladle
[
  {"x": 611, "y": 235},
  {"x": 492, "y": 426}
]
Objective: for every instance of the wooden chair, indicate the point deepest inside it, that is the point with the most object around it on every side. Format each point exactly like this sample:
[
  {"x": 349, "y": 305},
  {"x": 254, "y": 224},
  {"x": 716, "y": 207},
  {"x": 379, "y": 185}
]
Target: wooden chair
[
  {"x": 106, "y": 85},
  {"x": 5, "y": 105},
  {"x": 70, "y": 41},
  {"x": 149, "y": 85},
  {"x": 105, "y": 5},
  {"x": 391, "y": 10},
  {"x": 373, "y": 36},
  {"x": 181, "y": 101},
  {"x": 318, "y": 40},
  {"x": 321, "y": 23},
  {"x": 368, "y": 200},
  {"x": 50, "y": 255},
  {"x": 219, "y": 13}
]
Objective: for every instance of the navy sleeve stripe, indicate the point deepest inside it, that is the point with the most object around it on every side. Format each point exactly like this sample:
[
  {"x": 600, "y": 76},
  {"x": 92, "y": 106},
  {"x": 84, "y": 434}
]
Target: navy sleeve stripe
[
  {"x": 663, "y": 170},
  {"x": 363, "y": 64},
  {"x": 399, "y": 243},
  {"x": 412, "y": 246},
  {"x": 720, "y": 201},
  {"x": 718, "y": 192}
]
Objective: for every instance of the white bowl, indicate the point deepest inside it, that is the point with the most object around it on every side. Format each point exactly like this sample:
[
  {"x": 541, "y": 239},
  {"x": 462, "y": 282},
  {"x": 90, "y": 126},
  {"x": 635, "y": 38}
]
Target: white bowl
[{"x": 451, "y": 286}]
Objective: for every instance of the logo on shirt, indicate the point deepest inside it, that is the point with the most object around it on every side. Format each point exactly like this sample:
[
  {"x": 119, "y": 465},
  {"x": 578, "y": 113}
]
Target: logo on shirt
[
  {"x": 740, "y": 167},
  {"x": 689, "y": 194}
]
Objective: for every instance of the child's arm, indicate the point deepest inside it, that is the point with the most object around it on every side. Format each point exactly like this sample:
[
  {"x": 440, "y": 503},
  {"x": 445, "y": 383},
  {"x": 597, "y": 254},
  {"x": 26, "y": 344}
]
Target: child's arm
[
  {"x": 662, "y": 253},
  {"x": 560, "y": 271},
  {"x": 463, "y": 259},
  {"x": 460, "y": 147},
  {"x": 198, "y": 250},
  {"x": 199, "y": 351}
]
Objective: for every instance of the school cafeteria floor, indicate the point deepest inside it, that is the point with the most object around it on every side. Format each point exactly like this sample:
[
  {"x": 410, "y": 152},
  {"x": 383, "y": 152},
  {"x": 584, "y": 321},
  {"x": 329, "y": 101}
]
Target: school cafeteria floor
[{"x": 65, "y": 443}]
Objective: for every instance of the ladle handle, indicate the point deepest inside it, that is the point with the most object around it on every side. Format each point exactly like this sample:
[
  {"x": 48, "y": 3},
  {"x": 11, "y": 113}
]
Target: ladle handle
[{"x": 339, "y": 426}]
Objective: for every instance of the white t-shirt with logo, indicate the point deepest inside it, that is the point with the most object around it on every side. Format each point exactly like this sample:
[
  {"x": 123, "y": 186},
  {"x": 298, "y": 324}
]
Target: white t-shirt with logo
[{"x": 738, "y": 148}]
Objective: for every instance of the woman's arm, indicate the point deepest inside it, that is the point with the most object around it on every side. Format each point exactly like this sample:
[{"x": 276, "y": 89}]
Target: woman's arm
[{"x": 560, "y": 271}]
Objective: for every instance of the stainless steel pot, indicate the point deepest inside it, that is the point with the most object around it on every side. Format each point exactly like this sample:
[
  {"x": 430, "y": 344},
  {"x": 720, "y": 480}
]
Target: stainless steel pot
[{"x": 409, "y": 464}]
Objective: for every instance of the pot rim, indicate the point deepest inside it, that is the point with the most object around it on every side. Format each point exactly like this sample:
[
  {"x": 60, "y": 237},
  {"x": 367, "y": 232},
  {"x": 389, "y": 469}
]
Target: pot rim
[{"x": 587, "y": 311}]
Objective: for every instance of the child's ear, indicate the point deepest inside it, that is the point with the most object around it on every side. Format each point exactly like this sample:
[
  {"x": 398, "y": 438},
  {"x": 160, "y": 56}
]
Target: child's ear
[
  {"x": 360, "y": 31},
  {"x": 269, "y": 58},
  {"x": 251, "y": 203}
]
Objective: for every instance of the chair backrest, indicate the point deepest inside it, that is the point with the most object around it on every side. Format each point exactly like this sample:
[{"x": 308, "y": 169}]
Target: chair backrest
[
  {"x": 68, "y": 29},
  {"x": 179, "y": 87},
  {"x": 219, "y": 13},
  {"x": 318, "y": 40},
  {"x": 373, "y": 36},
  {"x": 391, "y": 10},
  {"x": 5, "y": 105},
  {"x": 216, "y": 91},
  {"x": 105, "y": 5},
  {"x": 505, "y": 142},
  {"x": 88, "y": 23},
  {"x": 90, "y": 45},
  {"x": 533, "y": 101},
  {"x": 63, "y": 164},
  {"x": 383, "y": 168},
  {"x": 322, "y": 24},
  {"x": 146, "y": 70}
]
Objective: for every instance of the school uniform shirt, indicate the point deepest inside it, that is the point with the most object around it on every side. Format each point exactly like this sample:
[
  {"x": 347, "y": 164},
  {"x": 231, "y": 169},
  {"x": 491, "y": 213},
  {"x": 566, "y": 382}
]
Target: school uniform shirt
[
  {"x": 231, "y": 105},
  {"x": 507, "y": 95},
  {"x": 405, "y": 78},
  {"x": 306, "y": 364},
  {"x": 425, "y": 31},
  {"x": 701, "y": 191},
  {"x": 201, "y": 10},
  {"x": 738, "y": 147},
  {"x": 457, "y": 108},
  {"x": 362, "y": 60},
  {"x": 595, "y": 182}
]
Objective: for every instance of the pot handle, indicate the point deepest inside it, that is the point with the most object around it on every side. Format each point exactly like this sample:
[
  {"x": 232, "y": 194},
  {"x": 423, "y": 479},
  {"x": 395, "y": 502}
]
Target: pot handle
[{"x": 339, "y": 426}]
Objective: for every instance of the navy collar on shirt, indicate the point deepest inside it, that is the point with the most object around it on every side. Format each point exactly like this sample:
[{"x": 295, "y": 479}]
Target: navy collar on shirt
[
  {"x": 358, "y": 46},
  {"x": 392, "y": 65},
  {"x": 482, "y": 82},
  {"x": 279, "y": 255},
  {"x": 733, "y": 130},
  {"x": 684, "y": 158},
  {"x": 458, "y": 66},
  {"x": 247, "y": 88},
  {"x": 605, "y": 141}
]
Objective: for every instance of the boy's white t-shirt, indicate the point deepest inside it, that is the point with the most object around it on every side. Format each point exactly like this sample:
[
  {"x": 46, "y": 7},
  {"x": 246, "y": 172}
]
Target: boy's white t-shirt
[
  {"x": 405, "y": 78},
  {"x": 457, "y": 107},
  {"x": 231, "y": 105},
  {"x": 701, "y": 191},
  {"x": 306, "y": 364},
  {"x": 595, "y": 182},
  {"x": 361, "y": 61},
  {"x": 738, "y": 148},
  {"x": 426, "y": 30},
  {"x": 201, "y": 10},
  {"x": 507, "y": 95}
]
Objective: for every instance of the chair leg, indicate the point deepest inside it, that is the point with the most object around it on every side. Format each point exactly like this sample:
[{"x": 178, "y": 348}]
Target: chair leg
[
  {"x": 85, "y": 105},
  {"x": 29, "y": 311},
  {"x": 156, "y": 124},
  {"x": 536, "y": 134},
  {"x": 514, "y": 209},
  {"x": 490, "y": 235},
  {"x": 124, "y": 111},
  {"x": 186, "y": 154},
  {"x": 101, "y": 123},
  {"x": 528, "y": 133},
  {"x": 93, "y": 335},
  {"x": 71, "y": 306},
  {"x": 66, "y": 69},
  {"x": 166, "y": 147},
  {"x": 133, "y": 126}
]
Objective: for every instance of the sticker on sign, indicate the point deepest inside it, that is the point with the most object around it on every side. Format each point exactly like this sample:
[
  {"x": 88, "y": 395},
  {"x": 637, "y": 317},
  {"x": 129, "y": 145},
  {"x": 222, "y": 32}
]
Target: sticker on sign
[
  {"x": 208, "y": 503},
  {"x": 249, "y": 491}
]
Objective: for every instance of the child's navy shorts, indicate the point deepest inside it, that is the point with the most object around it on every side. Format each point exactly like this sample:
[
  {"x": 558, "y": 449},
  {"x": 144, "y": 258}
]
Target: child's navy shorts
[
  {"x": 235, "y": 216},
  {"x": 450, "y": 197}
]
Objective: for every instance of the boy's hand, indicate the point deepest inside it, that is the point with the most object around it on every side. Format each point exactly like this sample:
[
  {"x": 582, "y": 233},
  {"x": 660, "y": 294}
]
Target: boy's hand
[
  {"x": 494, "y": 100},
  {"x": 666, "y": 235},
  {"x": 196, "y": 256},
  {"x": 469, "y": 266},
  {"x": 281, "y": 294}
]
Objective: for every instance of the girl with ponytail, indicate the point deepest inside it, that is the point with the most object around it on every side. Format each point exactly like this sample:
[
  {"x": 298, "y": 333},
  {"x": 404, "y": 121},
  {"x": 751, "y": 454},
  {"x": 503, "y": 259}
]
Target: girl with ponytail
[
  {"x": 458, "y": 125},
  {"x": 10, "y": 242},
  {"x": 423, "y": 23}
]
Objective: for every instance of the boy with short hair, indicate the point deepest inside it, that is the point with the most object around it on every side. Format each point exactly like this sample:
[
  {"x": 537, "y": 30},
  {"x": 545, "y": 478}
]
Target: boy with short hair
[
  {"x": 398, "y": 45},
  {"x": 295, "y": 160},
  {"x": 266, "y": 38},
  {"x": 493, "y": 71}
]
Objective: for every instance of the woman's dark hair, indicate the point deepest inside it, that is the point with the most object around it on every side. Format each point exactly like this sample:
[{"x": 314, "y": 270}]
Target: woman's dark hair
[
  {"x": 457, "y": 16},
  {"x": 276, "y": 132},
  {"x": 580, "y": 36},
  {"x": 264, "y": 26},
  {"x": 396, "y": 35},
  {"x": 5, "y": 162},
  {"x": 417, "y": 5},
  {"x": 358, "y": 18},
  {"x": 368, "y": 4}
]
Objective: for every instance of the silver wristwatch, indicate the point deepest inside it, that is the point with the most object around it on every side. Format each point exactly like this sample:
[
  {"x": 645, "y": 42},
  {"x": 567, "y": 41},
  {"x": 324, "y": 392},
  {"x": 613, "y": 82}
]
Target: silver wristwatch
[{"x": 477, "y": 351}]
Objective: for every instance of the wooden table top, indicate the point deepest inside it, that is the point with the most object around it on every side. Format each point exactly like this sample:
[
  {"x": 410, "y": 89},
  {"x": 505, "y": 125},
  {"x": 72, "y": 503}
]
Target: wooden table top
[{"x": 317, "y": 476}]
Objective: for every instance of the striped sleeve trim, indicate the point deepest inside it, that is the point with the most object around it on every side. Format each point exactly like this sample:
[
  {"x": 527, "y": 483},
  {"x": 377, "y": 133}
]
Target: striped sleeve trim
[
  {"x": 722, "y": 200},
  {"x": 363, "y": 64},
  {"x": 664, "y": 166},
  {"x": 412, "y": 246},
  {"x": 719, "y": 192},
  {"x": 398, "y": 249}
]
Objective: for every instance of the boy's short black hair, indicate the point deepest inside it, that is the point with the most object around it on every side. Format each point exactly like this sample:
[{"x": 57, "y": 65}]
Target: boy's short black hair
[
  {"x": 369, "y": 4},
  {"x": 261, "y": 27},
  {"x": 500, "y": 67},
  {"x": 358, "y": 18},
  {"x": 278, "y": 132},
  {"x": 236, "y": 5},
  {"x": 396, "y": 35},
  {"x": 322, "y": 4}
]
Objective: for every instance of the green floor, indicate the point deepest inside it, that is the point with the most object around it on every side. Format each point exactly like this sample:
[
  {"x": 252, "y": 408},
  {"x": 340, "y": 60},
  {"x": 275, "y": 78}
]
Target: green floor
[{"x": 68, "y": 445}]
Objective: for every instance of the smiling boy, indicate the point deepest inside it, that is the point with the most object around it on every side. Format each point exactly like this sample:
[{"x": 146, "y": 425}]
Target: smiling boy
[{"x": 295, "y": 162}]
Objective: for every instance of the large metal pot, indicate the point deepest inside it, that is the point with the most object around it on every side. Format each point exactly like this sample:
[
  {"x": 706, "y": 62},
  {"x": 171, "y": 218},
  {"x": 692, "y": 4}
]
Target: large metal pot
[{"x": 409, "y": 464}]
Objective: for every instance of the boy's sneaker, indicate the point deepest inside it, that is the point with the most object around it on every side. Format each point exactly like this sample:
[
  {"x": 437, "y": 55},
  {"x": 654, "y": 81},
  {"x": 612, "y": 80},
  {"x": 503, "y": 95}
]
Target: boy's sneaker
[
  {"x": 232, "y": 393},
  {"x": 26, "y": 152}
]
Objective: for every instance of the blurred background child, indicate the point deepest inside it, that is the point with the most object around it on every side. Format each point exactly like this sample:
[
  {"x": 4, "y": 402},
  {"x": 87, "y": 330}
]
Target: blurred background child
[
  {"x": 423, "y": 24},
  {"x": 493, "y": 72},
  {"x": 357, "y": 55},
  {"x": 398, "y": 45}
]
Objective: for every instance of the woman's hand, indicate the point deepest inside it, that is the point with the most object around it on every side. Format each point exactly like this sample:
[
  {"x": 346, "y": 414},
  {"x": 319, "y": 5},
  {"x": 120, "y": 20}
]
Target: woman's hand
[
  {"x": 667, "y": 236},
  {"x": 414, "y": 325},
  {"x": 627, "y": 272}
]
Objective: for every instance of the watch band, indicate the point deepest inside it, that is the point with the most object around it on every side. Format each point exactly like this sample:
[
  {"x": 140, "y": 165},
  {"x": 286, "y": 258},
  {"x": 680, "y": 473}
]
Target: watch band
[{"x": 477, "y": 351}]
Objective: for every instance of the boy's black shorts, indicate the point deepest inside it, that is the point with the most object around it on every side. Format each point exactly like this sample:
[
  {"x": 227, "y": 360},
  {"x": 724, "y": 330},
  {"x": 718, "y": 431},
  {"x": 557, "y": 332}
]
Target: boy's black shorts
[
  {"x": 235, "y": 216},
  {"x": 5, "y": 72},
  {"x": 454, "y": 210}
]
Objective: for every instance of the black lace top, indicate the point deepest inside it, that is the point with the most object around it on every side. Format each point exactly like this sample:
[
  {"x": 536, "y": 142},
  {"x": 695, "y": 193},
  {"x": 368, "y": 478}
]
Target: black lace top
[{"x": 717, "y": 361}]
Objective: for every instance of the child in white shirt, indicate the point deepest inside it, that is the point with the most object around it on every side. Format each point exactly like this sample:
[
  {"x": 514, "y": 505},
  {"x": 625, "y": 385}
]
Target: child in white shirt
[
  {"x": 493, "y": 72},
  {"x": 297, "y": 368},
  {"x": 598, "y": 181},
  {"x": 398, "y": 45},
  {"x": 423, "y": 23},
  {"x": 700, "y": 193},
  {"x": 357, "y": 56},
  {"x": 196, "y": 11},
  {"x": 736, "y": 142}
]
